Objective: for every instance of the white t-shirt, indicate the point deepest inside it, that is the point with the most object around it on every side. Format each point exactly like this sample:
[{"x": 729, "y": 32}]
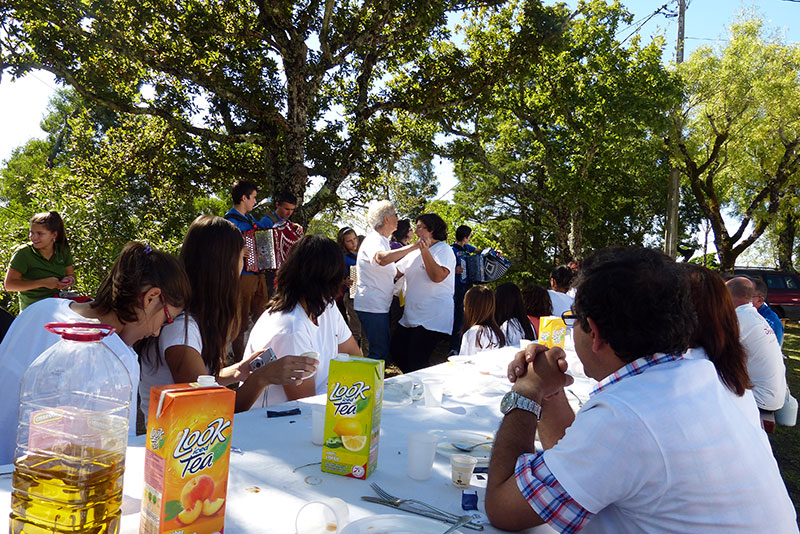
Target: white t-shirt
[
  {"x": 561, "y": 302},
  {"x": 469, "y": 341},
  {"x": 746, "y": 403},
  {"x": 764, "y": 358},
  {"x": 375, "y": 282},
  {"x": 25, "y": 340},
  {"x": 180, "y": 332},
  {"x": 429, "y": 304},
  {"x": 293, "y": 333},
  {"x": 667, "y": 451},
  {"x": 513, "y": 331}
]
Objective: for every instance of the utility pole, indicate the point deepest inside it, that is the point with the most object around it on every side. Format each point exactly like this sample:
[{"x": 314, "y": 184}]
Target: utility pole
[{"x": 674, "y": 190}]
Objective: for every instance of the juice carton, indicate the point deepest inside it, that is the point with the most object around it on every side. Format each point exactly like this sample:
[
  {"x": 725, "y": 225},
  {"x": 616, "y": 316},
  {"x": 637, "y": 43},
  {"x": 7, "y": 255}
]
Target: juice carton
[
  {"x": 353, "y": 416},
  {"x": 552, "y": 331},
  {"x": 186, "y": 462}
]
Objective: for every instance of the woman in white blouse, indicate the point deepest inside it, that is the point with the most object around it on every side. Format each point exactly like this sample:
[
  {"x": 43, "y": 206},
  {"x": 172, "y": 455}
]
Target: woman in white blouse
[{"x": 428, "y": 313}]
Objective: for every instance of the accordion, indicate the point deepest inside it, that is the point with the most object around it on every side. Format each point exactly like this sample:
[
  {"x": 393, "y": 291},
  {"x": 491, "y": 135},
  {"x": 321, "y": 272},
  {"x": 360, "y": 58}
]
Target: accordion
[
  {"x": 487, "y": 266},
  {"x": 268, "y": 249}
]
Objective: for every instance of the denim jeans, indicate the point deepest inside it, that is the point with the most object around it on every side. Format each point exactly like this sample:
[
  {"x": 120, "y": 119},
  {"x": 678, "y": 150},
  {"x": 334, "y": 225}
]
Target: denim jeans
[{"x": 376, "y": 327}]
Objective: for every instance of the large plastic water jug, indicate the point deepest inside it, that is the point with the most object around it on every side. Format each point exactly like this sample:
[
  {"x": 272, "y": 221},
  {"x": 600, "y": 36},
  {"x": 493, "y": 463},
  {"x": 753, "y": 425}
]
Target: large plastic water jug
[{"x": 71, "y": 436}]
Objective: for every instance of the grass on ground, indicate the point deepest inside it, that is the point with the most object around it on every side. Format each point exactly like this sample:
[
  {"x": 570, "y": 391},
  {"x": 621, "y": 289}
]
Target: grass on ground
[{"x": 786, "y": 440}]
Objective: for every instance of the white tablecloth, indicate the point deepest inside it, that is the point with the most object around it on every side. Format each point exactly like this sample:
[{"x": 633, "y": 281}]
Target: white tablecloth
[{"x": 271, "y": 479}]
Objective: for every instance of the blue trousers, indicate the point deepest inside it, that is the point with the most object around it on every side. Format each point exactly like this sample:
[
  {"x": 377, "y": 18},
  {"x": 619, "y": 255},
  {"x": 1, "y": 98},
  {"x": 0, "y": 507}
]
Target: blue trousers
[{"x": 376, "y": 327}]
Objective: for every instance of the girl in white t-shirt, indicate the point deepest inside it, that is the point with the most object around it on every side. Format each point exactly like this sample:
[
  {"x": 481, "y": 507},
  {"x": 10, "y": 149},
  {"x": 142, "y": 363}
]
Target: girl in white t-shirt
[
  {"x": 509, "y": 313},
  {"x": 143, "y": 291},
  {"x": 303, "y": 317},
  {"x": 480, "y": 328},
  {"x": 196, "y": 343}
]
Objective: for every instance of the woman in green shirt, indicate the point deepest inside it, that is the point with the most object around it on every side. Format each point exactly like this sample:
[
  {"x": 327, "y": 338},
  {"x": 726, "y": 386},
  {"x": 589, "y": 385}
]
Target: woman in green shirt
[{"x": 43, "y": 267}]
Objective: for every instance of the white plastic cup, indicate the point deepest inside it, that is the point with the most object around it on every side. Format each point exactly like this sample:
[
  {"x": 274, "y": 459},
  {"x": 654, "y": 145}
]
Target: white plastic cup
[
  {"x": 328, "y": 516},
  {"x": 462, "y": 466},
  {"x": 317, "y": 424},
  {"x": 433, "y": 390},
  {"x": 311, "y": 354},
  {"x": 421, "y": 452}
]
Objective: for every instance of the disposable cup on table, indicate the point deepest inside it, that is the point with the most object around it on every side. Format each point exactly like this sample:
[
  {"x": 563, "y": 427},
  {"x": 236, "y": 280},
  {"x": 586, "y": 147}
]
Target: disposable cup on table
[
  {"x": 433, "y": 390},
  {"x": 328, "y": 516},
  {"x": 462, "y": 466},
  {"x": 421, "y": 452},
  {"x": 311, "y": 354},
  {"x": 317, "y": 424}
]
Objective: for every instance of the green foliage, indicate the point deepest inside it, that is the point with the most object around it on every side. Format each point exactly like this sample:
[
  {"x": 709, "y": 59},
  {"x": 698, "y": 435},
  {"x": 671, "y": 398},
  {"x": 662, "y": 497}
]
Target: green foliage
[
  {"x": 113, "y": 181},
  {"x": 282, "y": 93},
  {"x": 738, "y": 143},
  {"x": 564, "y": 154}
]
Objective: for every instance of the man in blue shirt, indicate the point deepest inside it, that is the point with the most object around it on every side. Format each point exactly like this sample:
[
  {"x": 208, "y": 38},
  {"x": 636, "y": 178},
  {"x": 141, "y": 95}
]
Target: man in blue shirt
[
  {"x": 760, "y": 302},
  {"x": 462, "y": 249},
  {"x": 253, "y": 290}
]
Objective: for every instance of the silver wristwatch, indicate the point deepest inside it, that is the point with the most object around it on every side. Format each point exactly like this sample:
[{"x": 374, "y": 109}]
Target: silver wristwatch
[{"x": 512, "y": 400}]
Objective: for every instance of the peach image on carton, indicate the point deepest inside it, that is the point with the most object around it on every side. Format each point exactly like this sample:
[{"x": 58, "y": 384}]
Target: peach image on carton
[{"x": 196, "y": 499}]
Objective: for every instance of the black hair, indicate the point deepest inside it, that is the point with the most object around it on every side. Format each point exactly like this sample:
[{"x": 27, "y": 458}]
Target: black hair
[
  {"x": 53, "y": 222},
  {"x": 242, "y": 188},
  {"x": 462, "y": 232},
  {"x": 403, "y": 226},
  {"x": 341, "y": 235},
  {"x": 285, "y": 196},
  {"x": 137, "y": 269},
  {"x": 639, "y": 300},
  {"x": 508, "y": 305},
  {"x": 537, "y": 301},
  {"x": 435, "y": 225},
  {"x": 562, "y": 275},
  {"x": 313, "y": 273},
  {"x": 210, "y": 255}
]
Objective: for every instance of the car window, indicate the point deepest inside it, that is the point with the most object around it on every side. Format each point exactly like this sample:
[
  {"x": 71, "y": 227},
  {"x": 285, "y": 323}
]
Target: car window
[
  {"x": 775, "y": 281},
  {"x": 791, "y": 282}
]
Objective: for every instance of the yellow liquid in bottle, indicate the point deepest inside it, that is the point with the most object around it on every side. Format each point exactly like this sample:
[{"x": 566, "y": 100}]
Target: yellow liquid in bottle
[{"x": 55, "y": 494}]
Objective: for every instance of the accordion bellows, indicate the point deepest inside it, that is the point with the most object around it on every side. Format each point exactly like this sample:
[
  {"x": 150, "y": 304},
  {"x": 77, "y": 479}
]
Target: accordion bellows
[
  {"x": 269, "y": 248},
  {"x": 487, "y": 266}
]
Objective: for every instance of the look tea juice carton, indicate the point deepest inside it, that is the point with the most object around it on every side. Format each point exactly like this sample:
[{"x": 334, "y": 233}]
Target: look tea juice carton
[
  {"x": 189, "y": 429},
  {"x": 552, "y": 331},
  {"x": 353, "y": 416}
]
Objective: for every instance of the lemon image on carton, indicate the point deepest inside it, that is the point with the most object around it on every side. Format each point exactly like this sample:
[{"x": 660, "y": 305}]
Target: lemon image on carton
[{"x": 352, "y": 416}]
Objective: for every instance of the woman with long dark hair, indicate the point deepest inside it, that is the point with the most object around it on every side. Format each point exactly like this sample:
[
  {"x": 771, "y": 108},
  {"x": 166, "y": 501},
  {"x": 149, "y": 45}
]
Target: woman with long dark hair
[
  {"x": 196, "y": 342},
  {"x": 537, "y": 304},
  {"x": 509, "y": 313},
  {"x": 481, "y": 331},
  {"x": 303, "y": 317},
  {"x": 144, "y": 291},
  {"x": 717, "y": 335},
  {"x": 43, "y": 267}
]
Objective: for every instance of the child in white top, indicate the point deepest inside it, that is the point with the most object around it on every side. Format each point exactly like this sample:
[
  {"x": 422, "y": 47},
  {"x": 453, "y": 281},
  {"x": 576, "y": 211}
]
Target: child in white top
[{"x": 480, "y": 328}]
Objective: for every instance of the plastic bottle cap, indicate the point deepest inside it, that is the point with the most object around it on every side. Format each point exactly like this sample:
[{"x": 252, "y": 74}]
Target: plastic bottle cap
[
  {"x": 80, "y": 331},
  {"x": 206, "y": 380}
]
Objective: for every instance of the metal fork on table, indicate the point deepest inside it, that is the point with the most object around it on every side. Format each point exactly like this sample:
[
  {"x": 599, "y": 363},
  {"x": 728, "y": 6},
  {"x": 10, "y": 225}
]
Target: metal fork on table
[{"x": 397, "y": 500}]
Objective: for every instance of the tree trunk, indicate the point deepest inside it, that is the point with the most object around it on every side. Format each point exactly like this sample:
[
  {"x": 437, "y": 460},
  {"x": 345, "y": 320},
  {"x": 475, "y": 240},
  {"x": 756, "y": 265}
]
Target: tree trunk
[
  {"x": 563, "y": 234},
  {"x": 576, "y": 234},
  {"x": 787, "y": 230},
  {"x": 295, "y": 176}
]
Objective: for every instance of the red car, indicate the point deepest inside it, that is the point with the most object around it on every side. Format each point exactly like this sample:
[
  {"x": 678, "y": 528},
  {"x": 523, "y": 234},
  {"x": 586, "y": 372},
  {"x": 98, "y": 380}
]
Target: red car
[{"x": 783, "y": 289}]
